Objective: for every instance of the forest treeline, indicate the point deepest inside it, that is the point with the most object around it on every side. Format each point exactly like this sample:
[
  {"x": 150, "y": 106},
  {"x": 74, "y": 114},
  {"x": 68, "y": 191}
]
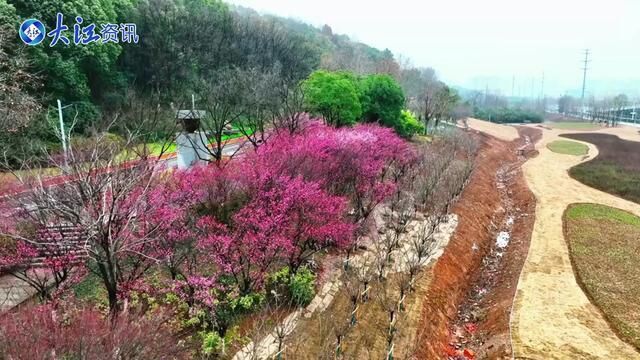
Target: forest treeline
[{"x": 201, "y": 47}]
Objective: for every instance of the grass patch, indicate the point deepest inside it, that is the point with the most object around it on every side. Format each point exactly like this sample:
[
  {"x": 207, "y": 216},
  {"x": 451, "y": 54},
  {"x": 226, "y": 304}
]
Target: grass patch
[
  {"x": 610, "y": 178},
  {"x": 605, "y": 252},
  {"x": 601, "y": 212},
  {"x": 156, "y": 148},
  {"x": 615, "y": 170},
  {"x": 91, "y": 289},
  {"x": 568, "y": 147},
  {"x": 573, "y": 125}
]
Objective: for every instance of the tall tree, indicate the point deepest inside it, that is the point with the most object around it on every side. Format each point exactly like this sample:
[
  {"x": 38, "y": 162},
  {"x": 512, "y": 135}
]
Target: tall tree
[
  {"x": 76, "y": 73},
  {"x": 381, "y": 98},
  {"x": 19, "y": 81},
  {"x": 567, "y": 104},
  {"x": 335, "y": 96},
  {"x": 182, "y": 42}
]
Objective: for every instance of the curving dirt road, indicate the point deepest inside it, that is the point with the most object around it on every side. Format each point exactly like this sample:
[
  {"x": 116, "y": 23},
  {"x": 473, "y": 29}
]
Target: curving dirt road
[{"x": 552, "y": 317}]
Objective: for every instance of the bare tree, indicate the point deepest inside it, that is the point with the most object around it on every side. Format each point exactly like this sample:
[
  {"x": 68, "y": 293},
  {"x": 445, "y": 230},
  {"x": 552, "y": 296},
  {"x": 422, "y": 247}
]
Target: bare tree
[
  {"x": 222, "y": 101},
  {"x": 102, "y": 199},
  {"x": 259, "y": 103},
  {"x": 17, "y": 106},
  {"x": 289, "y": 116}
]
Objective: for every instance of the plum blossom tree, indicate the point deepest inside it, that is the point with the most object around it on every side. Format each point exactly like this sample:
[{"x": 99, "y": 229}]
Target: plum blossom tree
[
  {"x": 111, "y": 205},
  {"x": 353, "y": 162},
  {"x": 75, "y": 332},
  {"x": 45, "y": 265},
  {"x": 287, "y": 220}
]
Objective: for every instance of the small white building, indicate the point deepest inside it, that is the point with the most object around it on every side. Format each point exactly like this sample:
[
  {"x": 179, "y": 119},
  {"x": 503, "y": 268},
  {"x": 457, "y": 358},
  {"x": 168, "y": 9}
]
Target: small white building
[{"x": 191, "y": 143}]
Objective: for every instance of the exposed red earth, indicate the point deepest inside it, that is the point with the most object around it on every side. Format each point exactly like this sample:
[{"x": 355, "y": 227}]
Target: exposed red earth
[{"x": 467, "y": 308}]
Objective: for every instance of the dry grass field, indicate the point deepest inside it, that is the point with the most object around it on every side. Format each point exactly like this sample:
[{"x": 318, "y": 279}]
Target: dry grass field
[{"x": 605, "y": 253}]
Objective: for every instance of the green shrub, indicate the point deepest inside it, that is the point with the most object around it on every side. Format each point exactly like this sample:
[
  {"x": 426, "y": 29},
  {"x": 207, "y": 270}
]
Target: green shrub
[
  {"x": 301, "y": 287},
  {"x": 211, "y": 343},
  {"x": 409, "y": 124},
  {"x": 507, "y": 115},
  {"x": 298, "y": 288},
  {"x": 334, "y": 95},
  {"x": 248, "y": 303},
  {"x": 382, "y": 99}
]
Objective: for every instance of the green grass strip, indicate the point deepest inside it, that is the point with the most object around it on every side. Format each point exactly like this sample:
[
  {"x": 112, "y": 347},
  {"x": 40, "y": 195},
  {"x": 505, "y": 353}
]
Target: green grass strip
[{"x": 568, "y": 147}]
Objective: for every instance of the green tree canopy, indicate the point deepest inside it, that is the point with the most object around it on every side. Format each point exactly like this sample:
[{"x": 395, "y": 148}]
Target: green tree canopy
[
  {"x": 334, "y": 95},
  {"x": 408, "y": 125},
  {"x": 382, "y": 99},
  {"x": 84, "y": 74}
]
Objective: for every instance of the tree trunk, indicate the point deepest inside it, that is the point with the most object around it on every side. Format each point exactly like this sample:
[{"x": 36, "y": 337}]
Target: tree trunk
[{"x": 110, "y": 284}]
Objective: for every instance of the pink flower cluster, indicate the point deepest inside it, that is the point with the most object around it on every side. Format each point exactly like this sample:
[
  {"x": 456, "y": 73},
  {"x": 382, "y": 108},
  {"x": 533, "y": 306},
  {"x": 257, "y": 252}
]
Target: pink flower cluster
[{"x": 280, "y": 204}]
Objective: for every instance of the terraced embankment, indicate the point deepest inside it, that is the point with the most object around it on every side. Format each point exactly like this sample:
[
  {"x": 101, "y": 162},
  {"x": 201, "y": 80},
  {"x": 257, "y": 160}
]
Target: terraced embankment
[{"x": 473, "y": 284}]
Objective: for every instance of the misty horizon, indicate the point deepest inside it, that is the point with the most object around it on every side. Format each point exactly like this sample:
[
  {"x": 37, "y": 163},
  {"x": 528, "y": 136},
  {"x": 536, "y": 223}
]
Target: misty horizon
[{"x": 474, "y": 46}]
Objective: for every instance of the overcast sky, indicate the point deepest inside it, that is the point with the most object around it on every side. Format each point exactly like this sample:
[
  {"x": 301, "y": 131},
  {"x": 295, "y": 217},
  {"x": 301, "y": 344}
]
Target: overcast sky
[{"x": 477, "y": 43}]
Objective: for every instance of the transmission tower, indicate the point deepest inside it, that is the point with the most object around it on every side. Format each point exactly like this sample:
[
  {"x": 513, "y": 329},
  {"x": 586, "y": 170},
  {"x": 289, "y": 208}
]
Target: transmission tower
[{"x": 584, "y": 74}]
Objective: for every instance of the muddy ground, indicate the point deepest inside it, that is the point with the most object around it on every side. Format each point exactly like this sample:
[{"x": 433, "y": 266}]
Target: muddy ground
[
  {"x": 468, "y": 304},
  {"x": 612, "y": 149}
]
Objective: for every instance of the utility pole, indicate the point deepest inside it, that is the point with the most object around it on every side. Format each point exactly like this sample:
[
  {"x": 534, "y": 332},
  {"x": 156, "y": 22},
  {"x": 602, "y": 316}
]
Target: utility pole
[
  {"x": 542, "y": 102},
  {"x": 63, "y": 137},
  {"x": 486, "y": 93},
  {"x": 513, "y": 85},
  {"x": 533, "y": 82},
  {"x": 584, "y": 76}
]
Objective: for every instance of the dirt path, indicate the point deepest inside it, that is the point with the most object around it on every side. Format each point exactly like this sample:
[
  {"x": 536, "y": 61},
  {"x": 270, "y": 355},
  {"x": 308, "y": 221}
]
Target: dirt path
[
  {"x": 502, "y": 132},
  {"x": 552, "y": 317},
  {"x": 624, "y": 132}
]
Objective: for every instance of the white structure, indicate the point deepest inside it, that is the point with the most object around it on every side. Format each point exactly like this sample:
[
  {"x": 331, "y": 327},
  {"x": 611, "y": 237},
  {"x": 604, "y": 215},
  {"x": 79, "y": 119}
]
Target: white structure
[
  {"x": 191, "y": 143},
  {"x": 191, "y": 149}
]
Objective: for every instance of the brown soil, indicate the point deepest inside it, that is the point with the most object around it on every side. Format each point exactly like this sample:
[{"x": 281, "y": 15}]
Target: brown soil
[
  {"x": 315, "y": 337},
  {"x": 612, "y": 149},
  {"x": 464, "y": 290}
]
